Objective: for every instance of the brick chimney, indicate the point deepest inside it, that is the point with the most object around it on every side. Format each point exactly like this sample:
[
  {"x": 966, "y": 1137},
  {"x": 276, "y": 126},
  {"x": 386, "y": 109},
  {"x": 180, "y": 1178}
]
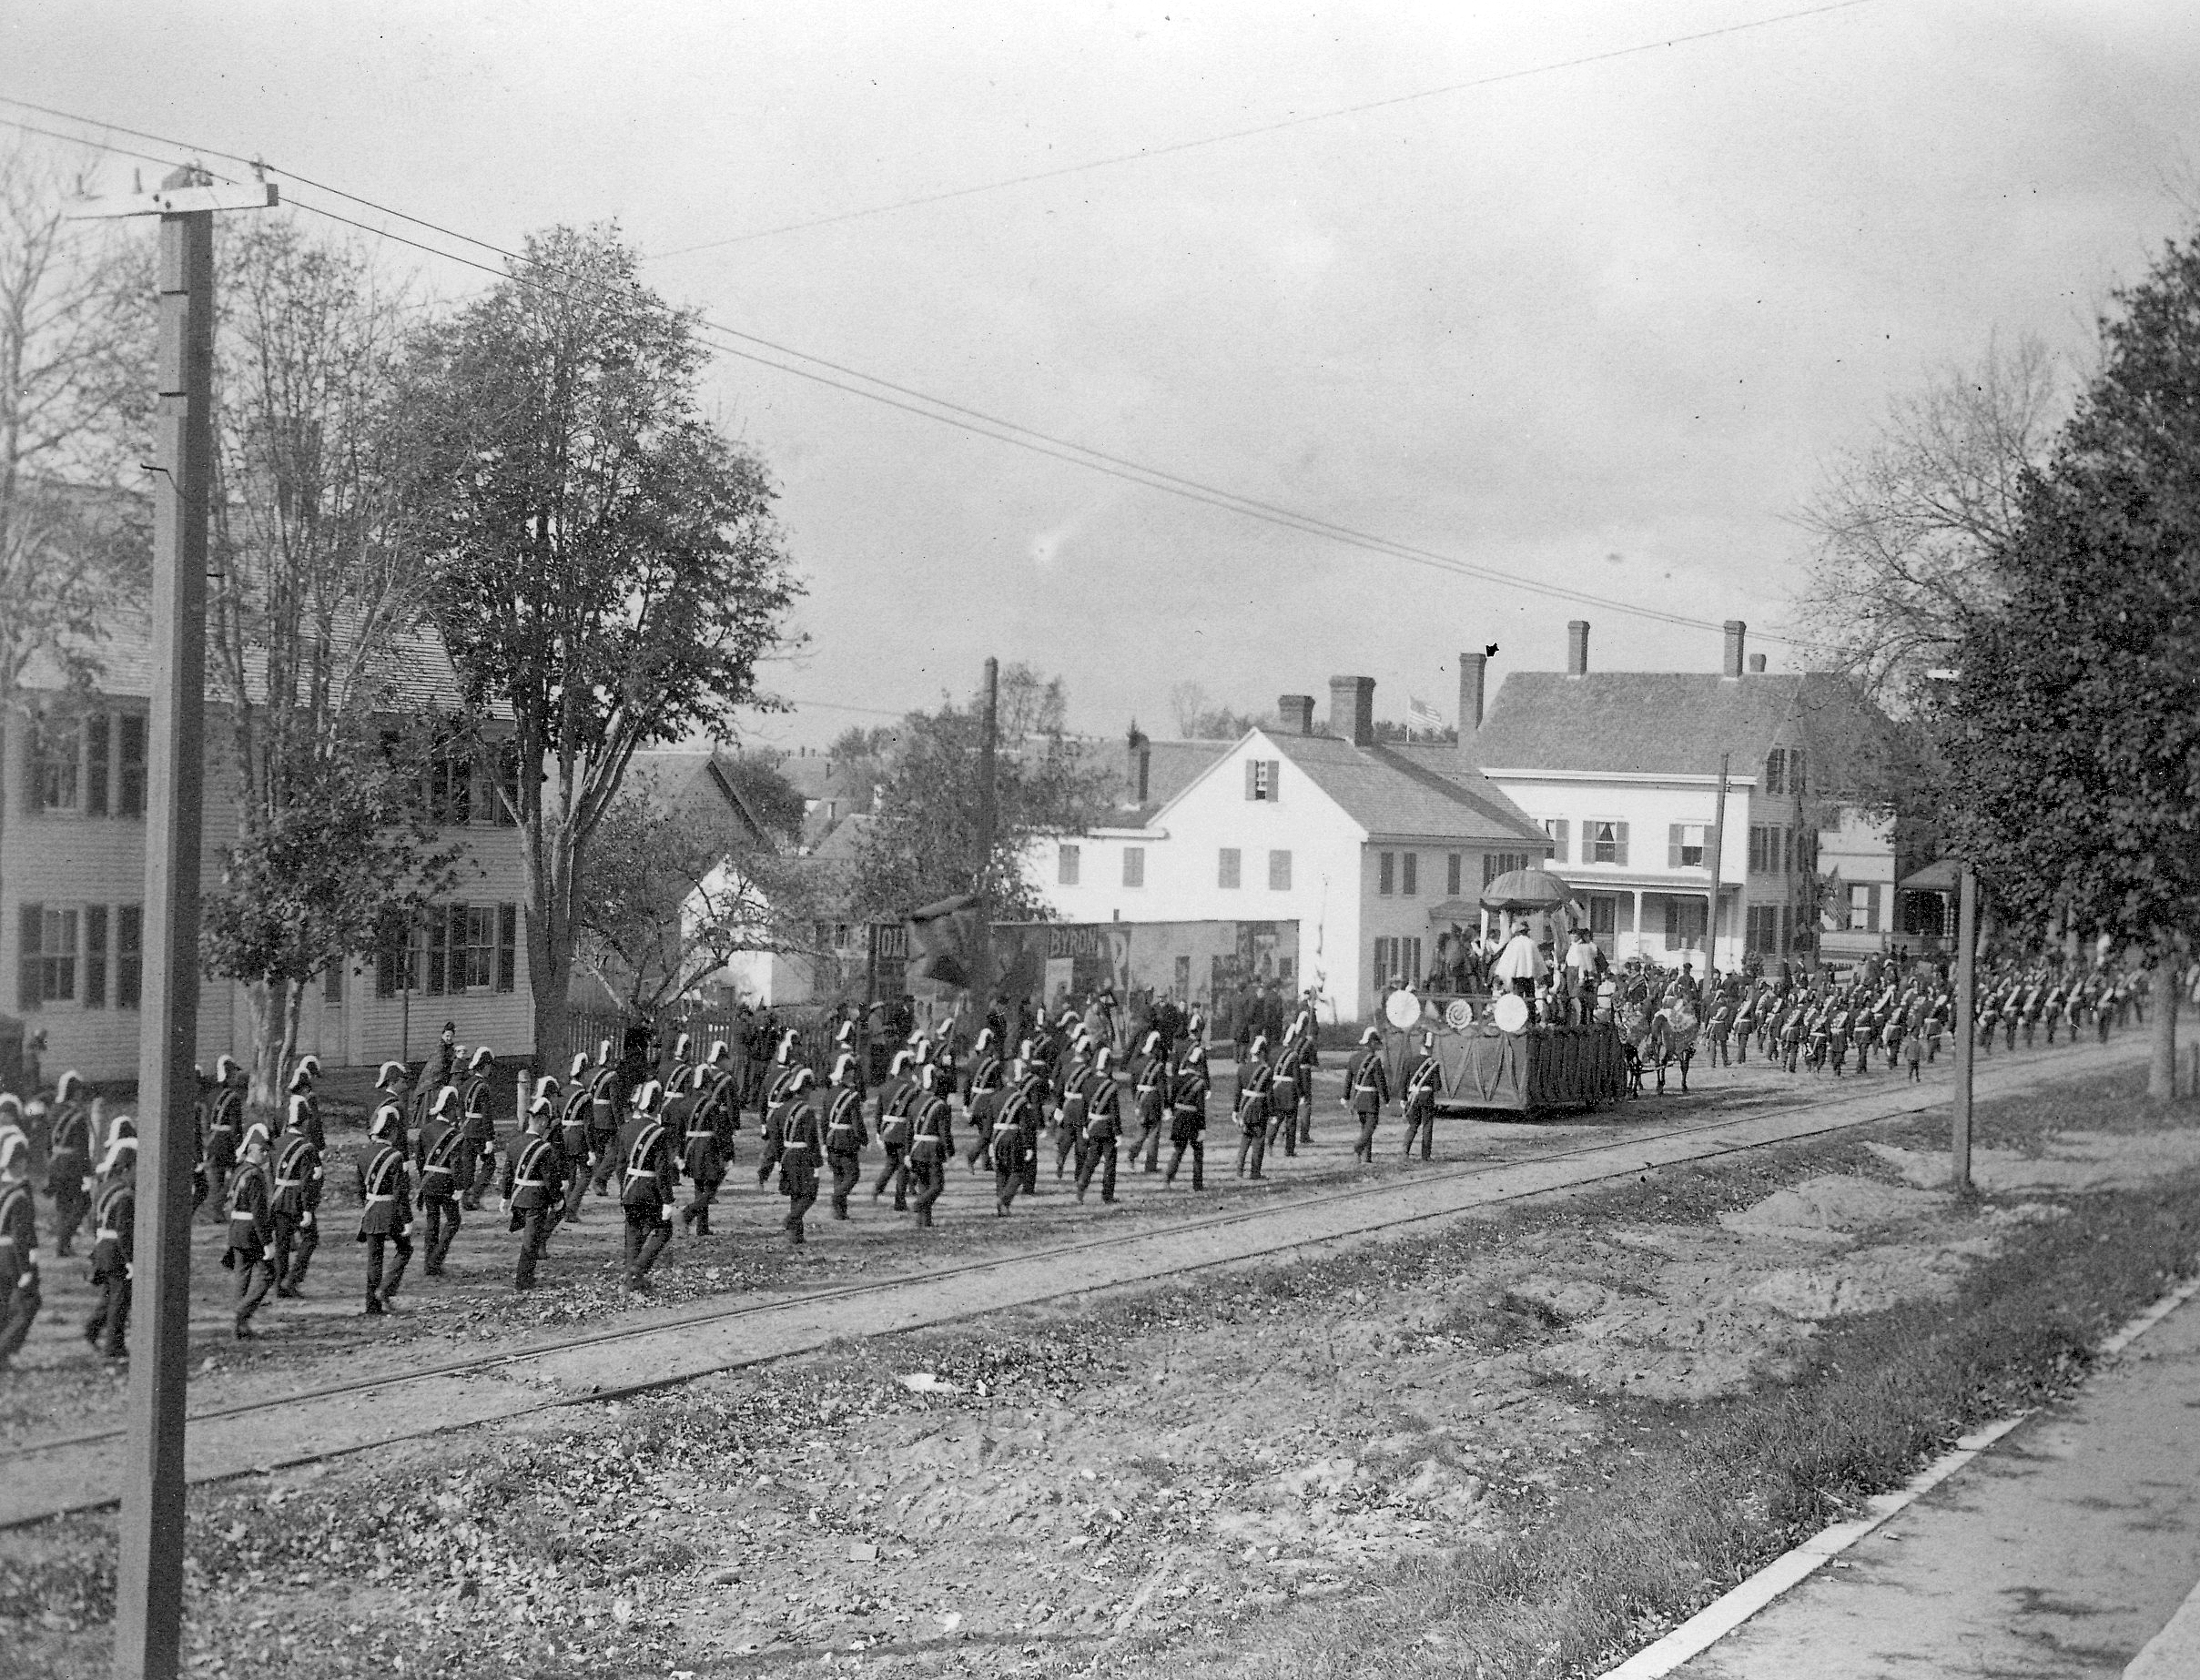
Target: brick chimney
[
  {"x": 1577, "y": 647},
  {"x": 1474, "y": 677},
  {"x": 1295, "y": 712},
  {"x": 1736, "y": 633},
  {"x": 1757, "y": 664},
  {"x": 1352, "y": 710},
  {"x": 1138, "y": 768}
]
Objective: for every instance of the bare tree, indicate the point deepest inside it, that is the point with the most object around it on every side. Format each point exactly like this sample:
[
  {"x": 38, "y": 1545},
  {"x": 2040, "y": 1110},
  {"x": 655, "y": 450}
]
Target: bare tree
[
  {"x": 75, "y": 360},
  {"x": 1903, "y": 528},
  {"x": 1188, "y": 702},
  {"x": 319, "y": 588}
]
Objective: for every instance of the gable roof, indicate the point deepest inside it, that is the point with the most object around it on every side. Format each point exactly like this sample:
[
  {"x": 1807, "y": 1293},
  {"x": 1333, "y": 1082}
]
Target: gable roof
[
  {"x": 1678, "y": 722},
  {"x": 677, "y": 780}
]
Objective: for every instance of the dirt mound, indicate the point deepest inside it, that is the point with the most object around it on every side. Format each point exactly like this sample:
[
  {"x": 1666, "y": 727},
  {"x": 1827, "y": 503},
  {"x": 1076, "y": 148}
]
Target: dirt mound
[{"x": 2074, "y": 1160}]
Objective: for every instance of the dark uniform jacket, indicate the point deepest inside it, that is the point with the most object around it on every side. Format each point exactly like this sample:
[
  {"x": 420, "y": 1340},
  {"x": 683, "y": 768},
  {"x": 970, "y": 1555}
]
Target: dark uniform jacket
[
  {"x": 1367, "y": 1081},
  {"x": 1188, "y": 1103},
  {"x": 385, "y": 1194},
  {"x": 1255, "y": 1078},
  {"x": 68, "y": 1160},
  {"x": 18, "y": 1232},
  {"x": 251, "y": 1219},
  {"x": 113, "y": 1212},
  {"x": 649, "y": 1169},
  {"x": 298, "y": 1176},
  {"x": 843, "y": 1131},
  {"x": 439, "y": 1156},
  {"x": 1103, "y": 1108},
  {"x": 476, "y": 1123},
  {"x": 534, "y": 1175},
  {"x": 1423, "y": 1080},
  {"x": 932, "y": 1133}
]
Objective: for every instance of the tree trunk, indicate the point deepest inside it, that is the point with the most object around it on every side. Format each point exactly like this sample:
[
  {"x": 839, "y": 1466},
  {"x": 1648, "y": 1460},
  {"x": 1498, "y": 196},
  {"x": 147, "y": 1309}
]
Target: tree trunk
[
  {"x": 2161, "y": 1060},
  {"x": 550, "y": 947},
  {"x": 265, "y": 1004}
]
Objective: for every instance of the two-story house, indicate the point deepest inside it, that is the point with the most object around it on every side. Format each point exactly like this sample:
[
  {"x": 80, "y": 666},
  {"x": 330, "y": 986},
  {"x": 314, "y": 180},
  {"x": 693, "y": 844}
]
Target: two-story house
[
  {"x": 72, "y": 787},
  {"x": 1627, "y": 772},
  {"x": 1370, "y": 850}
]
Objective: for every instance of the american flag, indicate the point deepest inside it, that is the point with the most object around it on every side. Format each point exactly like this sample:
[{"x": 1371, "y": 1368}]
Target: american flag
[{"x": 1421, "y": 715}]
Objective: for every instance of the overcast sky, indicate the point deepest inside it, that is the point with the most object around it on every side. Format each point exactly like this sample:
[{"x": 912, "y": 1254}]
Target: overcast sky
[{"x": 1599, "y": 326}]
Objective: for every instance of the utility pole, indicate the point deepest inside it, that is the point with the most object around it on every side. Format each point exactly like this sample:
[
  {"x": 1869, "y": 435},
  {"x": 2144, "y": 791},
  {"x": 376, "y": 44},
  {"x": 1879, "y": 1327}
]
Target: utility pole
[
  {"x": 1715, "y": 855},
  {"x": 988, "y": 743},
  {"x": 148, "y": 1587},
  {"x": 1966, "y": 1032}
]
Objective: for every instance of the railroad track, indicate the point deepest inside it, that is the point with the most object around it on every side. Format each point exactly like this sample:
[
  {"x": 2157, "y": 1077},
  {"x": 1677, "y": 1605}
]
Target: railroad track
[{"x": 1420, "y": 1198}]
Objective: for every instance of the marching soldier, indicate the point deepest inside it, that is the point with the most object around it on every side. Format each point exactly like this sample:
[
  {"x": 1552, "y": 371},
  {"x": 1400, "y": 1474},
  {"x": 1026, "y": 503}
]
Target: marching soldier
[
  {"x": 648, "y": 1174},
  {"x": 843, "y": 1131},
  {"x": 534, "y": 1190},
  {"x": 931, "y": 1142},
  {"x": 1103, "y": 1126},
  {"x": 385, "y": 1213},
  {"x": 702, "y": 1152},
  {"x": 251, "y": 1227},
  {"x": 1423, "y": 1085},
  {"x": 1255, "y": 1077},
  {"x": 294, "y": 1208},
  {"x": 678, "y": 1074},
  {"x": 477, "y": 1130},
  {"x": 801, "y": 1148},
  {"x": 19, "y": 1293},
  {"x": 1366, "y": 1089},
  {"x": 114, "y": 1251},
  {"x": 1150, "y": 1094},
  {"x": 68, "y": 1162},
  {"x": 608, "y": 1089},
  {"x": 576, "y": 1130},
  {"x": 1309, "y": 1059},
  {"x": 983, "y": 1098},
  {"x": 441, "y": 1156},
  {"x": 1010, "y": 1149},
  {"x": 1188, "y": 1117},
  {"x": 896, "y": 1097},
  {"x": 720, "y": 1097},
  {"x": 304, "y": 1079},
  {"x": 201, "y": 1112},
  {"x": 225, "y": 1120},
  {"x": 1072, "y": 1100},
  {"x": 1283, "y": 1095}
]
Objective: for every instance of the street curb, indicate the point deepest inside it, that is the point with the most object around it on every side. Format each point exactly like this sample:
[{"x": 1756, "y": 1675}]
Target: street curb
[{"x": 1727, "y": 1612}]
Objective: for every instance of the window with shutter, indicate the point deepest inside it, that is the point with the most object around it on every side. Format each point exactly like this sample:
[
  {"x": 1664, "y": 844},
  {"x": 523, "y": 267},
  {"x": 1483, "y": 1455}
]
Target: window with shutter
[
  {"x": 1261, "y": 778},
  {"x": 1685, "y": 846},
  {"x": 1558, "y": 827},
  {"x": 508, "y": 947},
  {"x": 436, "y": 936},
  {"x": 1227, "y": 867},
  {"x": 1620, "y": 833},
  {"x": 95, "y": 956},
  {"x": 1387, "y": 873},
  {"x": 98, "y": 734},
  {"x": 1279, "y": 872},
  {"x": 1452, "y": 864},
  {"x": 129, "y": 780},
  {"x": 1134, "y": 865},
  {"x": 30, "y": 985},
  {"x": 1409, "y": 883},
  {"x": 129, "y": 956},
  {"x": 1067, "y": 861},
  {"x": 1775, "y": 771}
]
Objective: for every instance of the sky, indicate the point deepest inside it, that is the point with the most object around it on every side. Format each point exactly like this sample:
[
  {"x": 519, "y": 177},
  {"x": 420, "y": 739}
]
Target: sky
[{"x": 1601, "y": 325}]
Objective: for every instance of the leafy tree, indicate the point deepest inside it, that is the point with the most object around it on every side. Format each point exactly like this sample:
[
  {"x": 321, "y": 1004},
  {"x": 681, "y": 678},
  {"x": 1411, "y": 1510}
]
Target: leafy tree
[
  {"x": 921, "y": 844},
  {"x": 2075, "y": 729},
  {"x": 1905, "y": 531},
  {"x": 676, "y": 892},
  {"x": 75, "y": 360},
  {"x": 605, "y": 568},
  {"x": 318, "y": 594},
  {"x": 775, "y": 802},
  {"x": 857, "y": 741}
]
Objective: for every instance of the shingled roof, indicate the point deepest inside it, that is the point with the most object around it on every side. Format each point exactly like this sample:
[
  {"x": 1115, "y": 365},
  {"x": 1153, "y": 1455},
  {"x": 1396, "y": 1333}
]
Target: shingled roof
[
  {"x": 1678, "y": 722},
  {"x": 1389, "y": 792}
]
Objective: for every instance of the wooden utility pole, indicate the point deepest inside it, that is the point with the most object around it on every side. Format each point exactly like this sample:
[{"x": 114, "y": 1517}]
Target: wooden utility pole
[
  {"x": 1966, "y": 1024},
  {"x": 1716, "y": 854},
  {"x": 148, "y": 1587},
  {"x": 988, "y": 743}
]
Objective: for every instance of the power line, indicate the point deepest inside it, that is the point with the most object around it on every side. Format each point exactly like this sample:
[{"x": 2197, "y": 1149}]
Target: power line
[
  {"x": 1148, "y": 153},
  {"x": 941, "y": 410}
]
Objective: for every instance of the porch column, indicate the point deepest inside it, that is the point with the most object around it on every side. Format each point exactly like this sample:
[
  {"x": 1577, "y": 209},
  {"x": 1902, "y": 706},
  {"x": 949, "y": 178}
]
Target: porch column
[{"x": 1638, "y": 921}]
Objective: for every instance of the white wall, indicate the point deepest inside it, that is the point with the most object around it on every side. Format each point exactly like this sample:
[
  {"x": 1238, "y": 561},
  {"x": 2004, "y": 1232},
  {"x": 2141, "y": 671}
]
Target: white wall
[{"x": 1181, "y": 869}]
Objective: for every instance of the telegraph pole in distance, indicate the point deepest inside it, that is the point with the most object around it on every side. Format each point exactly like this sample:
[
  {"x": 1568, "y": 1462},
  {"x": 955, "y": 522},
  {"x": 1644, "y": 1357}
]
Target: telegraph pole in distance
[
  {"x": 1717, "y": 850},
  {"x": 148, "y": 1587},
  {"x": 988, "y": 743}
]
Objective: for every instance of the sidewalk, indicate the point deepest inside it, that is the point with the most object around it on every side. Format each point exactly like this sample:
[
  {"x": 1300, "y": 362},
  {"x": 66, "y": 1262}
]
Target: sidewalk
[{"x": 2059, "y": 1552}]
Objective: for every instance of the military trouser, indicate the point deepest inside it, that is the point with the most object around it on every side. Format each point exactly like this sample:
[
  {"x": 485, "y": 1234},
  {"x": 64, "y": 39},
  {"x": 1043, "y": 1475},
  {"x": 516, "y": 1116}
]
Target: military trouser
[
  {"x": 1420, "y": 1121},
  {"x": 70, "y": 1205},
  {"x": 1254, "y": 1144},
  {"x": 648, "y": 1232},
  {"x": 1198, "y": 1163},
  {"x": 773, "y": 1152},
  {"x": 297, "y": 1236},
  {"x": 1365, "y": 1149},
  {"x": 847, "y": 1174},
  {"x": 602, "y": 1145},
  {"x": 533, "y": 1226},
  {"x": 481, "y": 1180},
  {"x": 255, "y": 1278},
  {"x": 20, "y": 1308},
  {"x": 1031, "y": 1161},
  {"x": 1305, "y": 1108},
  {"x": 1007, "y": 1181},
  {"x": 109, "y": 1323},
  {"x": 1149, "y": 1144},
  {"x": 378, "y": 1288},
  {"x": 1068, "y": 1143},
  {"x": 442, "y": 1213},
  {"x": 1097, "y": 1155},
  {"x": 577, "y": 1185},
  {"x": 929, "y": 1175},
  {"x": 221, "y": 1160},
  {"x": 896, "y": 1172},
  {"x": 1741, "y": 1045},
  {"x": 981, "y": 1144},
  {"x": 698, "y": 1212}
]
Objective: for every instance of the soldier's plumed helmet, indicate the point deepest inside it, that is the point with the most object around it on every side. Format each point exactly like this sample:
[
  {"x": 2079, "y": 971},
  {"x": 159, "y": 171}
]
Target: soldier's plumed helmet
[
  {"x": 580, "y": 1066},
  {"x": 391, "y": 1073},
  {"x": 66, "y": 1086},
  {"x": 14, "y": 1151},
  {"x": 540, "y": 1108},
  {"x": 604, "y": 1052},
  {"x": 648, "y": 1097},
  {"x": 985, "y": 1039},
  {"x": 227, "y": 1067},
  {"x": 900, "y": 1064},
  {"x": 804, "y": 1079},
  {"x": 482, "y": 1057},
  {"x": 697, "y": 1078},
  {"x": 844, "y": 1070},
  {"x": 295, "y": 1112},
  {"x": 120, "y": 1152},
  {"x": 1259, "y": 1044},
  {"x": 682, "y": 1047},
  {"x": 10, "y": 1109},
  {"x": 718, "y": 1051},
  {"x": 1372, "y": 1035},
  {"x": 1197, "y": 1053},
  {"x": 1152, "y": 1047},
  {"x": 255, "y": 1137},
  {"x": 547, "y": 1085},
  {"x": 845, "y": 1034},
  {"x": 787, "y": 1042},
  {"x": 1103, "y": 1057},
  {"x": 445, "y": 1101}
]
